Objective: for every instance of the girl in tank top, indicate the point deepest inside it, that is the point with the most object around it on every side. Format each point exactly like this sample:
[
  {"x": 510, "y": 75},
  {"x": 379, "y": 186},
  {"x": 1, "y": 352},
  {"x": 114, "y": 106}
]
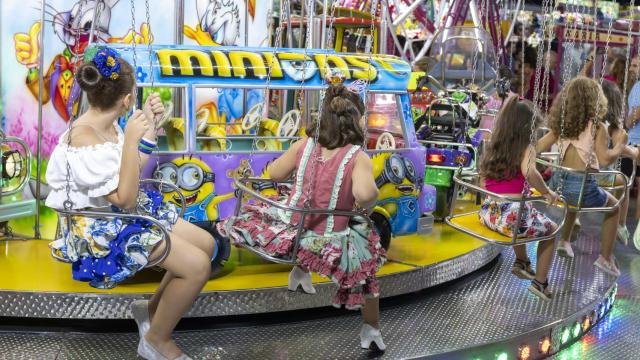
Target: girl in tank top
[
  {"x": 508, "y": 161},
  {"x": 577, "y": 115}
]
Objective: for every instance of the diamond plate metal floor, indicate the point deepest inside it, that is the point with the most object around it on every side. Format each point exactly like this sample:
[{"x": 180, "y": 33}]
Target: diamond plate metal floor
[{"x": 482, "y": 308}]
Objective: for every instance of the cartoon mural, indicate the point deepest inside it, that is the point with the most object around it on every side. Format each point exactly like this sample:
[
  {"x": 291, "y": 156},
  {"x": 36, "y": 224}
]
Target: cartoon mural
[
  {"x": 72, "y": 27},
  {"x": 398, "y": 181},
  {"x": 196, "y": 181},
  {"x": 218, "y": 23}
]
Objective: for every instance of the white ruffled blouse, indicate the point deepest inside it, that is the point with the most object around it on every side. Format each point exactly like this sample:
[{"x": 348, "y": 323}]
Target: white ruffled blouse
[{"x": 94, "y": 173}]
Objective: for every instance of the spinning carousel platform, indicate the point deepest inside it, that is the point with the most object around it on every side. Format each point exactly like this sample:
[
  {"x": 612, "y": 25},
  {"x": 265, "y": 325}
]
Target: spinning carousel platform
[
  {"x": 40, "y": 287},
  {"x": 487, "y": 314}
]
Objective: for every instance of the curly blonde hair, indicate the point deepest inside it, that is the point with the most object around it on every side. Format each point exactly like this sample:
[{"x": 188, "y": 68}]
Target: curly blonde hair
[{"x": 579, "y": 100}]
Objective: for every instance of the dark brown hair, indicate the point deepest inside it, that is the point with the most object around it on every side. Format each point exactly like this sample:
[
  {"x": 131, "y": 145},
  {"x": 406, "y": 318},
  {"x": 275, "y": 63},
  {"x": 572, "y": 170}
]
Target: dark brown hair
[
  {"x": 581, "y": 100},
  {"x": 510, "y": 138},
  {"x": 103, "y": 92},
  {"x": 616, "y": 105},
  {"x": 340, "y": 119}
]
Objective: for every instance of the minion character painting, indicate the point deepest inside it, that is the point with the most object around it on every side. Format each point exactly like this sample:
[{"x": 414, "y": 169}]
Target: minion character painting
[
  {"x": 397, "y": 181},
  {"x": 196, "y": 180}
]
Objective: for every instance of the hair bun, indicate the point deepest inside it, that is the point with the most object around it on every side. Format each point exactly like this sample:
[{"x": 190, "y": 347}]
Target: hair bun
[
  {"x": 88, "y": 77},
  {"x": 340, "y": 105}
]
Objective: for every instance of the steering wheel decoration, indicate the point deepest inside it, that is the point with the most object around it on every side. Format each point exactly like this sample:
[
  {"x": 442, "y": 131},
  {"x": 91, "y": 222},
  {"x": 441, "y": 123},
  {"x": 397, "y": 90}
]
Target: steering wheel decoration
[
  {"x": 385, "y": 141},
  {"x": 253, "y": 117},
  {"x": 289, "y": 125}
]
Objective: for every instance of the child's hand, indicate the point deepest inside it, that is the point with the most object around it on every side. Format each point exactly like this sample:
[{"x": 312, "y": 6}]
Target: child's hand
[
  {"x": 137, "y": 126},
  {"x": 551, "y": 197},
  {"x": 153, "y": 106}
]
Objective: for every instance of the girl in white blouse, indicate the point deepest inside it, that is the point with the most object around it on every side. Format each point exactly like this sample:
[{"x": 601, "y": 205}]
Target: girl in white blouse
[{"x": 104, "y": 169}]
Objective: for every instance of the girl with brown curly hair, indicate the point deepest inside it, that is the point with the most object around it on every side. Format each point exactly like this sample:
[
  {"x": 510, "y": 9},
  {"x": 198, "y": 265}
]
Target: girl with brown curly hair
[
  {"x": 334, "y": 173},
  {"x": 580, "y": 107},
  {"x": 507, "y": 162}
]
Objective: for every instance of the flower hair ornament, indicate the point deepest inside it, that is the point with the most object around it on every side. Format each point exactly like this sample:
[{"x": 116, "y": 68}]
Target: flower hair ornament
[
  {"x": 337, "y": 77},
  {"x": 106, "y": 60}
]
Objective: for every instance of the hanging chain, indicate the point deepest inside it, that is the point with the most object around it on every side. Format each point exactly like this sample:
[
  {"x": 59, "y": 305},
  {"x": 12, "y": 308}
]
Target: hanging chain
[
  {"x": 133, "y": 45},
  {"x": 536, "y": 94},
  {"x": 68, "y": 203}
]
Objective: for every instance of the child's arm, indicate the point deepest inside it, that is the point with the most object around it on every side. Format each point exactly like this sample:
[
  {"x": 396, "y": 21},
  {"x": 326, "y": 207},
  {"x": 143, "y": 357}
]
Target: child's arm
[
  {"x": 126, "y": 194},
  {"x": 630, "y": 120},
  {"x": 529, "y": 170},
  {"x": 605, "y": 155},
  {"x": 545, "y": 142},
  {"x": 283, "y": 166},
  {"x": 364, "y": 189},
  {"x": 631, "y": 152}
]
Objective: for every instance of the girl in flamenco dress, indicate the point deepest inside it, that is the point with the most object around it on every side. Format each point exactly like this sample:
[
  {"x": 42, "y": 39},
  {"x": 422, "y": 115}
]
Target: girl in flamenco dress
[{"x": 330, "y": 171}]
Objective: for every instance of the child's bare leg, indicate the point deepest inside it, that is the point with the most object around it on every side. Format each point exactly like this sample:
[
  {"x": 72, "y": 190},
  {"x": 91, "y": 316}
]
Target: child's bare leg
[
  {"x": 609, "y": 228},
  {"x": 371, "y": 312},
  {"x": 545, "y": 257},
  {"x": 521, "y": 252}
]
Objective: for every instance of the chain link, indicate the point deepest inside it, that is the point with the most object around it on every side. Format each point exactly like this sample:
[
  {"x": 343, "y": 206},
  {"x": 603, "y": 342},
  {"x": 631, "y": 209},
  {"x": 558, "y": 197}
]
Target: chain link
[{"x": 68, "y": 203}]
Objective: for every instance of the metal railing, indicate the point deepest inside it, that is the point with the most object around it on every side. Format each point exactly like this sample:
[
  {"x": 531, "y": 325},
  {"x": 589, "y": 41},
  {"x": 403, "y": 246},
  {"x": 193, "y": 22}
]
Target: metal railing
[
  {"x": 515, "y": 240},
  {"x": 304, "y": 212}
]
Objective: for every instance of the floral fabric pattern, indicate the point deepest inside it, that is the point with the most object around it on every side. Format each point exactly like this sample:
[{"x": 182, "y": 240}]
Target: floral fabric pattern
[
  {"x": 107, "y": 251},
  {"x": 502, "y": 216}
]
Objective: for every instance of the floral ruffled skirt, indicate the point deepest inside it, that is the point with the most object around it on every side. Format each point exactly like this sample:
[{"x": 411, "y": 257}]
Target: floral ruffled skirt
[
  {"x": 349, "y": 258},
  {"x": 502, "y": 216},
  {"x": 107, "y": 251}
]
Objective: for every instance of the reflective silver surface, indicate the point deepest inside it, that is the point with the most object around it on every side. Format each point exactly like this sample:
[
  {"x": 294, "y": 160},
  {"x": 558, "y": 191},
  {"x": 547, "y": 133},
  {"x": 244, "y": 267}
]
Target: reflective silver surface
[
  {"x": 222, "y": 303},
  {"x": 490, "y": 307}
]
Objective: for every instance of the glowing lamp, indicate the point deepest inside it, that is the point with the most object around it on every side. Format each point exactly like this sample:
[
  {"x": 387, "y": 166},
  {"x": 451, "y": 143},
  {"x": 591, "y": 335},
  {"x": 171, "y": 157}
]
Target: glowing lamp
[
  {"x": 524, "y": 352},
  {"x": 502, "y": 356},
  {"x": 576, "y": 329},
  {"x": 565, "y": 335},
  {"x": 435, "y": 158},
  {"x": 11, "y": 164},
  {"x": 544, "y": 345},
  {"x": 586, "y": 323}
]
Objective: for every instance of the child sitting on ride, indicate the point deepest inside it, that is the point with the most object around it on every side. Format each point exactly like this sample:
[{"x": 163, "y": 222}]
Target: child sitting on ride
[
  {"x": 497, "y": 99},
  {"x": 333, "y": 173},
  {"x": 575, "y": 120},
  {"x": 506, "y": 166},
  {"x": 612, "y": 122},
  {"x": 96, "y": 165}
]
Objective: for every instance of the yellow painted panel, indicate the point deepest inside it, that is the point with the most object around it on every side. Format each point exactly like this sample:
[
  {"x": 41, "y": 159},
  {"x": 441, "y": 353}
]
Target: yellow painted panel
[
  {"x": 471, "y": 223},
  {"x": 28, "y": 266}
]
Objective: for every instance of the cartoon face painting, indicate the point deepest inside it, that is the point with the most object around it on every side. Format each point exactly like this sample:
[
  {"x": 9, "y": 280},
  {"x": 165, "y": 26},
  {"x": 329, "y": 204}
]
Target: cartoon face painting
[
  {"x": 73, "y": 27},
  {"x": 196, "y": 181},
  {"x": 218, "y": 22},
  {"x": 397, "y": 179}
]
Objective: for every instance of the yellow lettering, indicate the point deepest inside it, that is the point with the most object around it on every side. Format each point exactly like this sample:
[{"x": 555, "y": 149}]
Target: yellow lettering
[
  {"x": 361, "y": 68},
  {"x": 254, "y": 68},
  {"x": 274, "y": 65},
  {"x": 222, "y": 65},
  {"x": 325, "y": 62},
  {"x": 175, "y": 62}
]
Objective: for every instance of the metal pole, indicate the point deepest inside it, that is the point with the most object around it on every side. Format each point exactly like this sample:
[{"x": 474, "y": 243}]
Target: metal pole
[
  {"x": 324, "y": 24},
  {"x": 289, "y": 26},
  {"x": 36, "y": 229},
  {"x": 513, "y": 23},
  {"x": 310, "y": 14}
]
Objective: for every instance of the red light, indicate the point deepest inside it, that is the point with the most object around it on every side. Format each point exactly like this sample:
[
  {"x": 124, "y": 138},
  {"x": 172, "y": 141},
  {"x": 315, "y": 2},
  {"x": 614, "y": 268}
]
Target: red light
[{"x": 435, "y": 158}]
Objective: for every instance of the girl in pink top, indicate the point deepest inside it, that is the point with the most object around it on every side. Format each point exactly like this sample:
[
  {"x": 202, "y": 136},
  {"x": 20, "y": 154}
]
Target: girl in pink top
[
  {"x": 334, "y": 173},
  {"x": 508, "y": 159}
]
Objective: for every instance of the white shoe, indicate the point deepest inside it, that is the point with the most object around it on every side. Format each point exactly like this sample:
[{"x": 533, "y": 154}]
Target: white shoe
[
  {"x": 565, "y": 250},
  {"x": 140, "y": 312},
  {"x": 636, "y": 238},
  {"x": 147, "y": 351},
  {"x": 623, "y": 234},
  {"x": 577, "y": 223},
  {"x": 369, "y": 335},
  {"x": 297, "y": 277},
  {"x": 607, "y": 266}
]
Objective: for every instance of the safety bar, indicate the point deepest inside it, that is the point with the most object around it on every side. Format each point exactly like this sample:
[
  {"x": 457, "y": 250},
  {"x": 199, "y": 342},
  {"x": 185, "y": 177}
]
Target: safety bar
[
  {"x": 515, "y": 240},
  {"x": 473, "y": 150},
  {"x": 108, "y": 214},
  {"x": 292, "y": 260},
  {"x": 174, "y": 187},
  {"x": 578, "y": 207},
  {"x": 27, "y": 154}
]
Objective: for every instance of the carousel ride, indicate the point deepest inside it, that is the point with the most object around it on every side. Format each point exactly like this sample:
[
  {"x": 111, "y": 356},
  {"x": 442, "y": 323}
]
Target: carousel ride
[{"x": 425, "y": 162}]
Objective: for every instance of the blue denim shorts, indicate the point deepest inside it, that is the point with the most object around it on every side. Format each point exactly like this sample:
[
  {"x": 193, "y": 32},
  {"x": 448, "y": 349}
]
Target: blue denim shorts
[{"x": 593, "y": 195}]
